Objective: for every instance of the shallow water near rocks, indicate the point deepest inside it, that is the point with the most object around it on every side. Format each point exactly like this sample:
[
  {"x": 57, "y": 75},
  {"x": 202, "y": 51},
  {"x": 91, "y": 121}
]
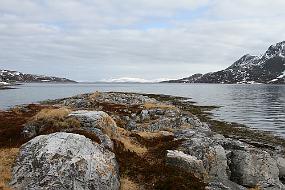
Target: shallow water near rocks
[{"x": 258, "y": 106}]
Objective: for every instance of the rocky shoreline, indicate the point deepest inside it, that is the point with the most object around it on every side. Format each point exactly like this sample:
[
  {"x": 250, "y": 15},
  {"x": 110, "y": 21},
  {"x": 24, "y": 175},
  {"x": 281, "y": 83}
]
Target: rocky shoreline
[{"x": 113, "y": 140}]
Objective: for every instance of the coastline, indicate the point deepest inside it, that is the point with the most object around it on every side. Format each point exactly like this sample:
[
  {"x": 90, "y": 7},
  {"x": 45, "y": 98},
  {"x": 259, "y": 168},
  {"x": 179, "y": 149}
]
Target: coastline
[
  {"x": 4, "y": 87},
  {"x": 131, "y": 162},
  {"x": 228, "y": 129}
]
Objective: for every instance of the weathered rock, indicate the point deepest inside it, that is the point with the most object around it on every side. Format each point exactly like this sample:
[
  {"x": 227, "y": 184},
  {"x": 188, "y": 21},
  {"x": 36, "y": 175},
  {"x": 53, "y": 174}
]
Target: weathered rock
[
  {"x": 30, "y": 131},
  {"x": 254, "y": 168},
  {"x": 195, "y": 166},
  {"x": 145, "y": 115},
  {"x": 64, "y": 161},
  {"x": 96, "y": 119},
  {"x": 123, "y": 98},
  {"x": 223, "y": 184},
  {"x": 217, "y": 162},
  {"x": 228, "y": 159},
  {"x": 213, "y": 156},
  {"x": 103, "y": 138},
  {"x": 281, "y": 166},
  {"x": 187, "y": 163}
]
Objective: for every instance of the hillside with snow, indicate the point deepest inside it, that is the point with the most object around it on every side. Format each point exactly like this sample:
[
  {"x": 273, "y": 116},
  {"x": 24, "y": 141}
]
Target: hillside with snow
[
  {"x": 7, "y": 77},
  {"x": 266, "y": 68}
]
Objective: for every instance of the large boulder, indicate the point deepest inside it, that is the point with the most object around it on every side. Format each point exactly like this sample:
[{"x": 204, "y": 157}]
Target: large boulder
[
  {"x": 255, "y": 168},
  {"x": 96, "y": 119},
  {"x": 98, "y": 123},
  {"x": 65, "y": 161},
  {"x": 187, "y": 163},
  {"x": 281, "y": 166},
  {"x": 226, "y": 163},
  {"x": 199, "y": 143},
  {"x": 190, "y": 164}
]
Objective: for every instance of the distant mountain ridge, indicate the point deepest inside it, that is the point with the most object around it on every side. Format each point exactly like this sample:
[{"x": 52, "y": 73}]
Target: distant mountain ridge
[
  {"x": 267, "y": 68},
  {"x": 8, "y": 76}
]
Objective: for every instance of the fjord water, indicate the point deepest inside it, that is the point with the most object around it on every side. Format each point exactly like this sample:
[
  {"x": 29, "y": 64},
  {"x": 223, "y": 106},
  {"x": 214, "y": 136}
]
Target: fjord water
[{"x": 258, "y": 106}]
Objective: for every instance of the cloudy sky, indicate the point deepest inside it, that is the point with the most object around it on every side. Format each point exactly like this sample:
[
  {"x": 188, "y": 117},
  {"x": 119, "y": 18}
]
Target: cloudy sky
[{"x": 92, "y": 40}]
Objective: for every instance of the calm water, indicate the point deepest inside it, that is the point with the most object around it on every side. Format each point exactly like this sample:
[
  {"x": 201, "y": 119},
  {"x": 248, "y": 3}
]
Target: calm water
[{"x": 258, "y": 106}]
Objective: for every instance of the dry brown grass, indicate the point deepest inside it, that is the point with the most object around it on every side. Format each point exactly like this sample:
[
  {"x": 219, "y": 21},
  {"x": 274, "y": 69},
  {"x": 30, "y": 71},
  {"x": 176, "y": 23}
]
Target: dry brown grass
[
  {"x": 94, "y": 95},
  {"x": 127, "y": 184},
  {"x": 46, "y": 114},
  {"x": 131, "y": 145},
  {"x": 50, "y": 120},
  {"x": 54, "y": 118},
  {"x": 149, "y": 105},
  {"x": 7, "y": 158}
]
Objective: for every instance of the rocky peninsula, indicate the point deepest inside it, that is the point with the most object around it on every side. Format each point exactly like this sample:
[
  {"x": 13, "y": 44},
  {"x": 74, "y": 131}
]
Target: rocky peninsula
[{"x": 115, "y": 140}]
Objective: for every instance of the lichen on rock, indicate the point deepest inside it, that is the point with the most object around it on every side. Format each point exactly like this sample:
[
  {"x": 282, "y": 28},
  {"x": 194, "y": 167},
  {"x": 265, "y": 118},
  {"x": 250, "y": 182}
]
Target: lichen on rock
[{"x": 65, "y": 161}]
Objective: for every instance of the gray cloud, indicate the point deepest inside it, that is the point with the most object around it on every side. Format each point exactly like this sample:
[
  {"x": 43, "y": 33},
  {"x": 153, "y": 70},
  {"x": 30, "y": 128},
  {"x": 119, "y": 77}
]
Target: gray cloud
[{"x": 94, "y": 40}]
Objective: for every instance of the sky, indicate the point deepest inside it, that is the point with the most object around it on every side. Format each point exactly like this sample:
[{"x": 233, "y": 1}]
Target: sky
[{"x": 95, "y": 40}]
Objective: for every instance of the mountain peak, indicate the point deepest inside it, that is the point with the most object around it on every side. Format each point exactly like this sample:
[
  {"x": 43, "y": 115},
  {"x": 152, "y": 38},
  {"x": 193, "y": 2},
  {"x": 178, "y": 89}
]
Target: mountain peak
[
  {"x": 275, "y": 50},
  {"x": 245, "y": 61},
  {"x": 267, "y": 68}
]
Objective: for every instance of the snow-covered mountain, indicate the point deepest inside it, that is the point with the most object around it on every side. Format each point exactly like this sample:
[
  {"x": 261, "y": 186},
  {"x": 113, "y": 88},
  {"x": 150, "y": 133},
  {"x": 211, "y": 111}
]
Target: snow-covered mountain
[
  {"x": 15, "y": 76},
  {"x": 267, "y": 68},
  {"x": 133, "y": 80}
]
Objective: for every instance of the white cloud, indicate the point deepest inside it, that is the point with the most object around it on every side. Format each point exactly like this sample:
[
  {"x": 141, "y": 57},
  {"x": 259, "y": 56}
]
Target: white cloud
[{"x": 91, "y": 40}]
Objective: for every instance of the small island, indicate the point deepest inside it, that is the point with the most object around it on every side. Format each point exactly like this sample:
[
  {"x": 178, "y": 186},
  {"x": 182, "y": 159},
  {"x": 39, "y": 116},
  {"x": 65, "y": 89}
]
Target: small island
[{"x": 116, "y": 140}]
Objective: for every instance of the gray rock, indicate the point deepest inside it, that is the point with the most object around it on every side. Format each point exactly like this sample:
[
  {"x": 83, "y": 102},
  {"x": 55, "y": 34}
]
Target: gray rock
[
  {"x": 213, "y": 157},
  {"x": 187, "y": 163},
  {"x": 254, "y": 168},
  {"x": 215, "y": 178},
  {"x": 132, "y": 125},
  {"x": 216, "y": 159},
  {"x": 281, "y": 166},
  {"x": 96, "y": 119},
  {"x": 159, "y": 111},
  {"x": 64, "y": 161},
  {"x": 123, "y": 98},
  {"x": 227, "y": 159},
  {"x": 104, "y": 140},
  {"x": 224, "y": 184},
  {"x": 29, "y": 131},
  {"x": 144, "y": 115}
]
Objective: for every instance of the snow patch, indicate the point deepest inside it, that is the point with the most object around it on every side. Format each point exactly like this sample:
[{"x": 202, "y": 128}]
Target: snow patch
[
  {"x": 4, "y": 83},
  {"x": 282, "y": 76},
  {"x": 133, "y": 80},
  {"x": 273, "y": 80}
]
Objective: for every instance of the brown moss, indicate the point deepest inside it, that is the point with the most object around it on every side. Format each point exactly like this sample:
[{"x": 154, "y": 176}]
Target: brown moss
[
  {"x": 52, "y": 120},
  {"x": 128, "y": 143},
  {"x": 12, "y": 123},
  {"x": 132, "y": 146},
  {"x": 150, "y": 171}
]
